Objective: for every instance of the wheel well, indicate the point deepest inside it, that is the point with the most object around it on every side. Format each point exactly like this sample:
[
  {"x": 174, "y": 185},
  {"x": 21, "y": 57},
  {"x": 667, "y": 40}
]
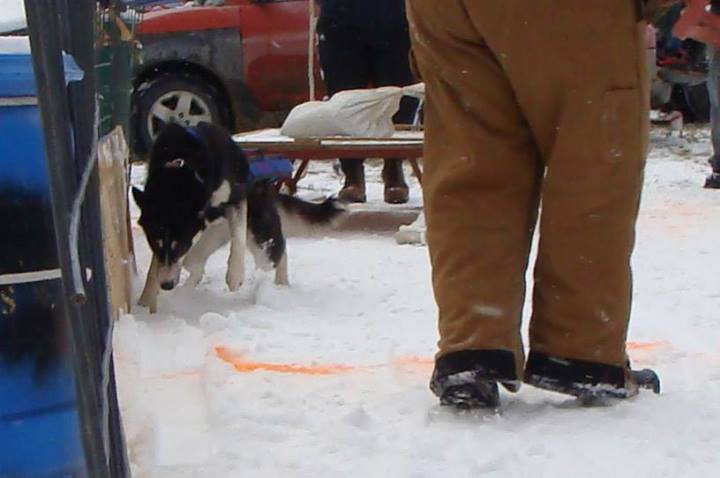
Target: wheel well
[{"x": 185, "y": 68}]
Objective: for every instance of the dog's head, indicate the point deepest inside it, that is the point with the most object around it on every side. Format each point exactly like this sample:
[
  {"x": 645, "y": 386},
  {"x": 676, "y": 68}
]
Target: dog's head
[
  {"x": 173, "y": 202},
  {"x": 170, "y": 228}
]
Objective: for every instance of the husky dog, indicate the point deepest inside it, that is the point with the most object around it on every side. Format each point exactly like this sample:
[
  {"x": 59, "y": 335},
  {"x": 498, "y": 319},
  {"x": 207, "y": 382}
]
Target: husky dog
[{"x": 198, "y": 196}]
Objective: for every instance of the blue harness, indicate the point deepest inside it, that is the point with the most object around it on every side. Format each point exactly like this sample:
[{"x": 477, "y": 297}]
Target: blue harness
[{"x": 270, "y": 167}]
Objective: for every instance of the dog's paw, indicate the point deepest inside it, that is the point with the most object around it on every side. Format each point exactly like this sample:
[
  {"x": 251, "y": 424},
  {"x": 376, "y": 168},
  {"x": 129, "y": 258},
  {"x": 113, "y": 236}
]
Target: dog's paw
[
  {"x": 281, "y": 279},
  {"x": 192, "y": 282},
  {"x": 149, "y": 302},
  {"x": 234, "y": 279},
  {"x": 281, "y": 272}
]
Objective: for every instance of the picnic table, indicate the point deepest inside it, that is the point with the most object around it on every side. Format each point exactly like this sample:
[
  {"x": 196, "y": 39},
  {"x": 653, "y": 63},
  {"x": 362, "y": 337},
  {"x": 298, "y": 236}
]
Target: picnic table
[{"x": 406, "y": 143}]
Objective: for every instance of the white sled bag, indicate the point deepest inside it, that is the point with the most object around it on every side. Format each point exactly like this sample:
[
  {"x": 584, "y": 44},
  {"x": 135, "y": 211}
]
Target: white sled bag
[{"x": 357, "y": 113}]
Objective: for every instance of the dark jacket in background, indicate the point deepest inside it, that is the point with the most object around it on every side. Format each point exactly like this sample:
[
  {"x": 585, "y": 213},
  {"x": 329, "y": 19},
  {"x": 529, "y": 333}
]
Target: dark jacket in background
[
  {"x": 364, "y": 43},
  {"x": 362, "y": 14}
]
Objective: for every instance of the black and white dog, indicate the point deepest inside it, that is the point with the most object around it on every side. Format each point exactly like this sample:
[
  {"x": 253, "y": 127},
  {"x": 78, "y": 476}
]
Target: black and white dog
[{"x": 198, "y": 196}]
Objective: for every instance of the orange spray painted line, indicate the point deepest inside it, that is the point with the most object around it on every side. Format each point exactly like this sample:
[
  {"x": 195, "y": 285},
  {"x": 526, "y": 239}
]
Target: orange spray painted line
[
  {"x": 244, "y": 365},
  {"x": 646, "y": 346}
]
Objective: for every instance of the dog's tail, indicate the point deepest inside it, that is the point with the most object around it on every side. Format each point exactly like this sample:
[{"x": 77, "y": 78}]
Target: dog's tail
[{"x": 302, "y": 217}]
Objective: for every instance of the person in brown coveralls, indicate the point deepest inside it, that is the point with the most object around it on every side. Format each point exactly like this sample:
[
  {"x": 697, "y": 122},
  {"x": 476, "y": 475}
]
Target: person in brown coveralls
[{"x": 532, "y": 101}]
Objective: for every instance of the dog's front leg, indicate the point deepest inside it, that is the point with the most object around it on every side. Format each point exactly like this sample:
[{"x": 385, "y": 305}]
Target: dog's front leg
[
  {"x": 212, "y": 239},
  {"x": 281, "y": 271},
  {"x": 149, "y": 295},
  {"x": 237, "y": 222}
]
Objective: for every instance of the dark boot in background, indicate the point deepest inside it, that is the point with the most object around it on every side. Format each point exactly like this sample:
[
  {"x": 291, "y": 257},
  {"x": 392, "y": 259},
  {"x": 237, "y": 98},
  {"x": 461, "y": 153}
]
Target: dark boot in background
[
  {"x": 713, "y": 181},
  {"x": 354, "y": 189},
  {"x": 396, "y": 189}
]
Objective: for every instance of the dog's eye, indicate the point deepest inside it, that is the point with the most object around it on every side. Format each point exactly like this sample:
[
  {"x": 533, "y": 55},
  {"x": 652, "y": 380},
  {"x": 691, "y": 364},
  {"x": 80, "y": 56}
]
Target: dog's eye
[
  {"x": 175, "y": 164},
  {"x": 159, "y": 243},
  {"x": 174, "y": 245}
]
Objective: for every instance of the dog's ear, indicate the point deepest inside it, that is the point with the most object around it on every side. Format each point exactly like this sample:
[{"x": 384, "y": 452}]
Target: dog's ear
[{"x": 139, "y": 197}]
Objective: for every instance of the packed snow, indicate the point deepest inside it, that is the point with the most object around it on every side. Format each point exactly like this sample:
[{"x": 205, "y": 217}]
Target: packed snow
[{"x": 329, "y": 376}]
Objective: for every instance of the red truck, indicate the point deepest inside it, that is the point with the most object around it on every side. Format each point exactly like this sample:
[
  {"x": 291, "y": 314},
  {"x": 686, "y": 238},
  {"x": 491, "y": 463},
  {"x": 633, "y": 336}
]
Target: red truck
[{"x": 242, "y": 64}]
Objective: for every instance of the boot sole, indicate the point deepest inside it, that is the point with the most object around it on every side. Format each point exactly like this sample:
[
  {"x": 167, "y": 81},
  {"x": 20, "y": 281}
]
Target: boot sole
[{"x": 471, "y": 396}]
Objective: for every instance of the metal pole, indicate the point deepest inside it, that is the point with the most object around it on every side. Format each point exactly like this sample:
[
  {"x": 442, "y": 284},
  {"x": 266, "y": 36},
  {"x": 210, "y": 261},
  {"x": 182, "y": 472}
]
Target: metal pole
[
  {"x": 46, "y": 40},
  {"x": 311, "y": 48},
  {"x": 79, "y": 28}
]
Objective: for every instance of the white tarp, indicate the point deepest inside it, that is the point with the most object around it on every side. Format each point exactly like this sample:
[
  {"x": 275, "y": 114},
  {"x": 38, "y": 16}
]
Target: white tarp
[
  {"x": 12, "y": 15},
  {"x": 364, "y": 113}
]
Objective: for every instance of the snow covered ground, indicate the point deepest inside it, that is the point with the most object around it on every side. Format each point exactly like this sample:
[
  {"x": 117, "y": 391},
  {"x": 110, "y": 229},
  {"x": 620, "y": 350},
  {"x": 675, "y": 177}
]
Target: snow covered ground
[{"x": 204, "y": 393}]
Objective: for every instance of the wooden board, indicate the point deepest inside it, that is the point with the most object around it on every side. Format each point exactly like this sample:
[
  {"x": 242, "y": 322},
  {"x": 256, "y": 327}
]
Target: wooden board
[
  {"x": 113, "y": 164},
  {"x": 272, "y": 138}
]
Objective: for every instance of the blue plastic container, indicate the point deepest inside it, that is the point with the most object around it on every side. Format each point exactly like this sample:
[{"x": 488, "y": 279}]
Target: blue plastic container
[{"x": 39, "y": 426}]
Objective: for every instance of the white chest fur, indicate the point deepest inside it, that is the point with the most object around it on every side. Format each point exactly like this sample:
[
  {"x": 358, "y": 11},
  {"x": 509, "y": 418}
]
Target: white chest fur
[{"x": 221, "y": 195}]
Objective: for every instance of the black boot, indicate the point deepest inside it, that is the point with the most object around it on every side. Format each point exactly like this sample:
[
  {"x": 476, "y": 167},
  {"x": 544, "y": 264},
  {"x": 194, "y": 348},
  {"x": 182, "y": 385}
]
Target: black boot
[
  {"x": 590, "y": 382},
  {"x": 465, "y": 390},
  {"x": 714, "y": 163},
  {"x": 713, "y": 181},
  {"x": 469, "y": 379},
  {"x": 354, "y": 189},
  {"x": 396, "y": 189}
]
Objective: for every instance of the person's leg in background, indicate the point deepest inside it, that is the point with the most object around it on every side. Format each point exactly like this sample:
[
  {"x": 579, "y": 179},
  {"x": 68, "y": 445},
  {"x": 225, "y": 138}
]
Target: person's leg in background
[
  {"x": 345, "y": 65},
  {"x": 390, "y": 63},
  {"x": 481, "y": 180},
  {"x": 713, "y": 85},
  {"x": 396, "y": 189}
]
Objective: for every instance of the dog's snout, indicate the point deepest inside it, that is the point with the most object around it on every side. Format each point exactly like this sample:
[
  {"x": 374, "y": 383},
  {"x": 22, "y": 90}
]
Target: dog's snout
[
  {"x": 167, "y": 285},
  {"x": 169, "y": 276}
]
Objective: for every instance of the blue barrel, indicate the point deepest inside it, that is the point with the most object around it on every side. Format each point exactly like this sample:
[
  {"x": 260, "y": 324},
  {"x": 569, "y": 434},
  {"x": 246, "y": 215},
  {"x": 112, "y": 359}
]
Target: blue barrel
[{"x": 39, "y": 426}]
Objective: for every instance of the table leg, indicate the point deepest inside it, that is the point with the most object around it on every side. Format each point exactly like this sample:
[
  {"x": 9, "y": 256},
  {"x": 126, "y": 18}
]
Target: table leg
[
  {"x": 298, "y": 174},
  {"x": 416, "y": 169}
]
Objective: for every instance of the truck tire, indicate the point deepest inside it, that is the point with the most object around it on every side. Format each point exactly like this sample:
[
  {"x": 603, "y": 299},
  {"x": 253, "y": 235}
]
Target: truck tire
[{"x": 175, "y": 98}]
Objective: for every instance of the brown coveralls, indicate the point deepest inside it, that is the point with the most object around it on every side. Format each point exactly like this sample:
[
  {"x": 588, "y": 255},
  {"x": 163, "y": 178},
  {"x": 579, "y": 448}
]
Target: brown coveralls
[{"x": 530, "y": 101}]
